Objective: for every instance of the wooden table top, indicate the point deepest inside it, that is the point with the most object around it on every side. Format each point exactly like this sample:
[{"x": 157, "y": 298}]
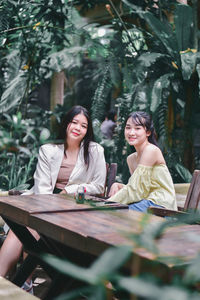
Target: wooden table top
[
  {"x": 94, "y": 231},
  {"x": 77, "y": 228},
  {"x": 8, "y": 291},
  {"x": 18, "y": 208}
]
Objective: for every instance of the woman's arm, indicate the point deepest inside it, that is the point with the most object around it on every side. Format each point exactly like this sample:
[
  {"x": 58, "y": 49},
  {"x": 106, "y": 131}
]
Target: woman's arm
[{"x": 116, "y": 187}]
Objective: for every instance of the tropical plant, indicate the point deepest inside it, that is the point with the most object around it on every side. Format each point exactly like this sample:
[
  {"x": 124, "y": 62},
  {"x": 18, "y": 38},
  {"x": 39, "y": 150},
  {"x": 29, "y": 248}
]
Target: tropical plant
[
  {"x": 19, "y": 142},
  {"x": 143, "y": 61},
  {"x": 158, "y": 71},
  {"x": 31, "y": 33}
]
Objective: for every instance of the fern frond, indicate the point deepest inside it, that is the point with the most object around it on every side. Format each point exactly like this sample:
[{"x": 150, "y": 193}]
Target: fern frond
[{"x": 101, "y": 96}]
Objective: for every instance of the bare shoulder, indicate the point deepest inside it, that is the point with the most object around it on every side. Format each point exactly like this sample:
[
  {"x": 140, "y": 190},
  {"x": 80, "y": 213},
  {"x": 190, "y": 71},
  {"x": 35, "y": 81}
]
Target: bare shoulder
[
  {"x": 152, "y": 155},
  {"x": 131, "y": 158},
  {"x": 151, "y": 148},
  {"x": 132, "y": 162}
]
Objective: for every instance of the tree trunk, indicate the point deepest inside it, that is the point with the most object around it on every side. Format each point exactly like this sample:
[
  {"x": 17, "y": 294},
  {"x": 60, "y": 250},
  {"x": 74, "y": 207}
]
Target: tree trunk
[
  {"x": 57, "y": 89},
  {"x": 57, "y": 93}
]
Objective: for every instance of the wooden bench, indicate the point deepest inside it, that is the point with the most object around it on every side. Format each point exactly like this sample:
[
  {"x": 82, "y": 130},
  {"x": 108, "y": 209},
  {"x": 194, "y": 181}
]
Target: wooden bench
[
  {"x": 192, "y": 201},
  {"x": 9, "y": 291}
]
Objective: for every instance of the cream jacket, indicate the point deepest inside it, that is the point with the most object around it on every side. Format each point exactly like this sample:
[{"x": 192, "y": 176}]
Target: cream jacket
[{"x": 49, "y": 162}]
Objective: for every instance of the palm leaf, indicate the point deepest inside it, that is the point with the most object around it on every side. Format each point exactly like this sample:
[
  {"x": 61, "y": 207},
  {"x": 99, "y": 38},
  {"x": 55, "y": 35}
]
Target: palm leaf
[
  {"x": 183, "y": 21},
  {"x": 157, "y": 91},
  {"x": 188, "y": 61},
  {"x": 183, "y": 172},
  {"x": 163, "y": 31},
  {"x": 13, "y": 94}
]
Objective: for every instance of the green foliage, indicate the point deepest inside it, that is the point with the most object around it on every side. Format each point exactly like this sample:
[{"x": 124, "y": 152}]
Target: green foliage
[
  {"x": 138, "y": 65},
  {"x": 155, "y": 77},
  {"x": 19, "y": 142},
  {"x": 33, "y": 32},
  {"x": 108, "y": 268},
  {"x": 100, "y": 96}
]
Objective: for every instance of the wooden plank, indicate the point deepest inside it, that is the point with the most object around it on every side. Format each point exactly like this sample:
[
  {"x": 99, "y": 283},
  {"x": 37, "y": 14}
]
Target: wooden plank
[
  {"x": 93, "y": 232},
  {"x": 18, "y": 208},
  {"x": 195, "y": 198},
  {"x": 8, "y": 291},
  {"x": 73, "y": 229},
  {"x": 163, "y": 212},
  {"x": 190, "y": 202}
]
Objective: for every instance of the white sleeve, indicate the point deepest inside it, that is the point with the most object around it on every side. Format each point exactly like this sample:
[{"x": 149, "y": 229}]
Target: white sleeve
[{"x": 42, "y": 175}]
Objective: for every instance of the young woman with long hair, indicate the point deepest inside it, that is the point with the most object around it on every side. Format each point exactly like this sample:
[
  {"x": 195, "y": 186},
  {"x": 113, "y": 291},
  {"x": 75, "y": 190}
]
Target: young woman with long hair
[
  {"x": 62, "y": 168},
  {"x": 150, "y": 183}
]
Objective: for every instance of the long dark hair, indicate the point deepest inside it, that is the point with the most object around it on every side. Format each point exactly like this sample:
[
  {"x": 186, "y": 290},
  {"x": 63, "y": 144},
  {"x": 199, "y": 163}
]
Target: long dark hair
[
  {"x": 143, "y": 119},
  {"x": 67, "y": 119}
]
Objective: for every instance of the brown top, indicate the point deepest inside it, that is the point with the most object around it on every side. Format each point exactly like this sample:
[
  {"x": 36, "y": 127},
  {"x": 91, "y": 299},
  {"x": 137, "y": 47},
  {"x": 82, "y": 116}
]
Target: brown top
[{"x": 64, "y": 173}]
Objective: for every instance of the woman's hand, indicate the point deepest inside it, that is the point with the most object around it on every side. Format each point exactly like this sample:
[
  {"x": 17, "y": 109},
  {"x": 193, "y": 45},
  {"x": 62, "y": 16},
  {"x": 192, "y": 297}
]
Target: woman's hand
[
  {"x": 63, "y": 192},
  {"x": 115, "y": 187}
]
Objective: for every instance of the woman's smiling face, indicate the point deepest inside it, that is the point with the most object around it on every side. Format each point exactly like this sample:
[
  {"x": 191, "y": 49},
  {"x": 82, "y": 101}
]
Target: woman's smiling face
[
  {"x": 135, "y": 134},
  {"x": 77, "y": 128}
]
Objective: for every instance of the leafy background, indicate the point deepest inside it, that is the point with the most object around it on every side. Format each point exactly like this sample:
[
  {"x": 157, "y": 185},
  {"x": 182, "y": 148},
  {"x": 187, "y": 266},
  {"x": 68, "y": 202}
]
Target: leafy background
[{"x": 147, "y": 59}]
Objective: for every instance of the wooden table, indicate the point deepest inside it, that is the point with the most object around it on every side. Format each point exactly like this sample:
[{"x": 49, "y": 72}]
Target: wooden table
[
  {"x": 89, "y": 231},
  {"x": 10, "y": 291}
]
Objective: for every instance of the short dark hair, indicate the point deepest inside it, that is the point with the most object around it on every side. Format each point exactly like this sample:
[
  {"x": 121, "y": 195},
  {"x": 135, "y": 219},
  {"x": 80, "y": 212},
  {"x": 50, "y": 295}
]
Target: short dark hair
[
  {"x": 111, "y": 115},
  {"x": 144, "y": 119},
  {"x": 67, "y": 119}
]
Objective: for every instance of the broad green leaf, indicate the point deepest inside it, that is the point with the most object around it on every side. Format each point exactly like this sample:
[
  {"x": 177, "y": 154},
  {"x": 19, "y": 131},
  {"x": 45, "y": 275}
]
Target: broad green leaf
[
  {"x": 165, "y": 34},
  {"x": 163, "y": 31},
  {"x": 183, "y": 20},
  {"x": 150, "y": 290},
  {"x": 148, "y": 59},
  {"x": 192, "y": 274},
  {"x": 180, "y": 102},
  {"x": 183, "y": 172},
  {"x": 22, "y": 187},
  {"x": 188, "y": 61},
  {"x": 98, "y": 294},
  {"x": 70, "y": 269},
  {"x": 61, "y": 60},
  {"x": 111, "y": 260},
  {"x": 13, "y": 94},
  {"x": 140, "y": 287},
  {"x": 156, "y": 97},
  {"x": 115, "y": 73},
  {"x": 142, "y": 97}
]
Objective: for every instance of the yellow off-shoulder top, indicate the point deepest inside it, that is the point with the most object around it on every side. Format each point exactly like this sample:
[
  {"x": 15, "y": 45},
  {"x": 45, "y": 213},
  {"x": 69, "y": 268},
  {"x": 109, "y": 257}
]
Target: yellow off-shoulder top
[{"x": 151, "y": 183}]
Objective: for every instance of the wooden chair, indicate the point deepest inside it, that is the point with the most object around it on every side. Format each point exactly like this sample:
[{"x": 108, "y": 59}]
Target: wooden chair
[
  {"x": 111, "y": 171},
  {"x": 192, "y": 201},
  {"x": 110, "y": 178}
]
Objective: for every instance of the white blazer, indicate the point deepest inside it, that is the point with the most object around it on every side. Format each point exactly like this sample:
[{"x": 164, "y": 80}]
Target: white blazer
[{"x": 49, "y": 162}]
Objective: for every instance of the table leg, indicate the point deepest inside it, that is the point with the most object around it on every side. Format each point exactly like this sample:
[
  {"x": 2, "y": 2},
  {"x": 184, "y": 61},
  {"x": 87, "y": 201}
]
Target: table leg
[{"x": 34, "y": 249}]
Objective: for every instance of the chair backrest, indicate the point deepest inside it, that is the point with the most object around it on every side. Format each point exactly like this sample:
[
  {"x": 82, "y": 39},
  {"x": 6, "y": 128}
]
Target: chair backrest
[
  {"x": 110, "y": 178},
  {"x": 193, "y": 196}
]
